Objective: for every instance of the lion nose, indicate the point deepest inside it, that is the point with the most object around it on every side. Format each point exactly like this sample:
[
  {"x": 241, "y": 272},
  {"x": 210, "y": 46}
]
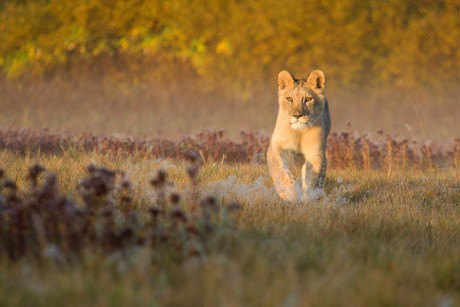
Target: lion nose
[{"x": 297, "y": 115}]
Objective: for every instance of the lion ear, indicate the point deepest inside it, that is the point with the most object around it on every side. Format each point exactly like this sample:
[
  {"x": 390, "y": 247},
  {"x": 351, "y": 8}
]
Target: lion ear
[
  {"x": 316, "y": 80},
  {"x": 285, "y": 79}
]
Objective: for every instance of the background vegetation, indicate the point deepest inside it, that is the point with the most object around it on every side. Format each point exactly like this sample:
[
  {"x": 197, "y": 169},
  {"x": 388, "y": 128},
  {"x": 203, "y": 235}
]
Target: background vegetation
[
  {"x": 237, "y": 42},
  {"x": 211, "y": 59}
]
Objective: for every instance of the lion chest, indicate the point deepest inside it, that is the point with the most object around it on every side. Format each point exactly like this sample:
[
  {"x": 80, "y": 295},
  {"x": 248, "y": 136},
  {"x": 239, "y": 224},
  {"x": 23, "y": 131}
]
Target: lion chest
[{"x": 308, "y": 142}]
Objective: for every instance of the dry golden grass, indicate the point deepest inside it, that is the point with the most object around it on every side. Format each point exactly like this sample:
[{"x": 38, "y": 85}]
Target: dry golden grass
[{"x": 377, "y": 239}]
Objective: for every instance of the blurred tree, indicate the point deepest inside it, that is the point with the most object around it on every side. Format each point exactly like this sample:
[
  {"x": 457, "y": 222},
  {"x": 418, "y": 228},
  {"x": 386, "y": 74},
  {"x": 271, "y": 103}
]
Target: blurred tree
[{"x": 237, "y": 45}]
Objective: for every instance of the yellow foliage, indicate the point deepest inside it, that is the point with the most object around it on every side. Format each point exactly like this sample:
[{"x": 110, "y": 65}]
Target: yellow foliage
[
  {"x": 224, "y": 48},
  {"x": 357, "y": 43}
]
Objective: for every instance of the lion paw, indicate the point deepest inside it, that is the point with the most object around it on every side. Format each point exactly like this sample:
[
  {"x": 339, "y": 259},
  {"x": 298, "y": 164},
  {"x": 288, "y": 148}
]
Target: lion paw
[{"x": 313, "y": 195}]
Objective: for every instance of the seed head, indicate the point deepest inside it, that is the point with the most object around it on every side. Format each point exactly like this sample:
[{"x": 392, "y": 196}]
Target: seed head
[
  {"x": 209, "y": 202},
  {"x": 192, "y": 171},
  {"x": 175, "y": 198},
  {"x": 35, "y": 170},
  {"x": 154, "y": 211},
  {"x": 159, "y": 179},
  {"x": 234, "y": 206},
  {"x": 125, "y": 184},
  {"x": 10, "y": 184},
  {"x": 126, "y": 199},
  {"x": 91, "y": 168},
  {"x": 178, "y": 213},
  {"x": 192, "y": 156}
]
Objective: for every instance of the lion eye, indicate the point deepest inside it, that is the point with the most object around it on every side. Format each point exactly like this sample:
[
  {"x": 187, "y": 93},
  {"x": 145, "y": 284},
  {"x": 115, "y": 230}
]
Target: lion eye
[
  {"x": 307, "y": 99},
  {"x": 290, "y": 100}
]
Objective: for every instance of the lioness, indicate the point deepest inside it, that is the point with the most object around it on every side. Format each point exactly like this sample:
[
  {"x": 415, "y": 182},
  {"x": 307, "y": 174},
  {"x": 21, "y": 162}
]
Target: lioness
[{"x": 300, "y": 135}]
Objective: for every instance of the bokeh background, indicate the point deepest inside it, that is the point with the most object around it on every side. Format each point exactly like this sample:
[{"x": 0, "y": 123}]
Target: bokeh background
[{"x": 181, "y": 66}]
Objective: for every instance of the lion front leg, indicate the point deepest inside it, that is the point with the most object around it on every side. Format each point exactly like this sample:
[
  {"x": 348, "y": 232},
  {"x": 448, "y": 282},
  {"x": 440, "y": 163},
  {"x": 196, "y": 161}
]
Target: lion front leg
[
  {"x": 283, "y": 179},
  {"x": 313, "y": 177}
]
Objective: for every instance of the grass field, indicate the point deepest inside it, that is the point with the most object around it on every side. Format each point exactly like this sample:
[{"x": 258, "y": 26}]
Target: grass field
[{"x": 379, "y": 239}]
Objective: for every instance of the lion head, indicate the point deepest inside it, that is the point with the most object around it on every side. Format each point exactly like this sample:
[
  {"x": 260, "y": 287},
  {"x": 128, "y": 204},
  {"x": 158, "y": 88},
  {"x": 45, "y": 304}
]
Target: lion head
[{"x": 301, "y": 100}]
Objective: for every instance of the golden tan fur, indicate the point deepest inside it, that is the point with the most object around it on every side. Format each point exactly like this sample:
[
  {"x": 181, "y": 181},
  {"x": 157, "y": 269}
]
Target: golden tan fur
[{"x": 300, "y": 134}]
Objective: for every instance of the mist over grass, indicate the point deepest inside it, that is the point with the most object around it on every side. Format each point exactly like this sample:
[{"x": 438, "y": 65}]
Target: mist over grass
[{"x": 93, "y": 106}]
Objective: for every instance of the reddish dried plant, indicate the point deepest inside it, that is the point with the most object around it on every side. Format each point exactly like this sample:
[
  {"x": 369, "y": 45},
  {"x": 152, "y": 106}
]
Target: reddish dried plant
[
  {"x": 345, "y": 149},
  {"x": 43, "y": 224}
]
